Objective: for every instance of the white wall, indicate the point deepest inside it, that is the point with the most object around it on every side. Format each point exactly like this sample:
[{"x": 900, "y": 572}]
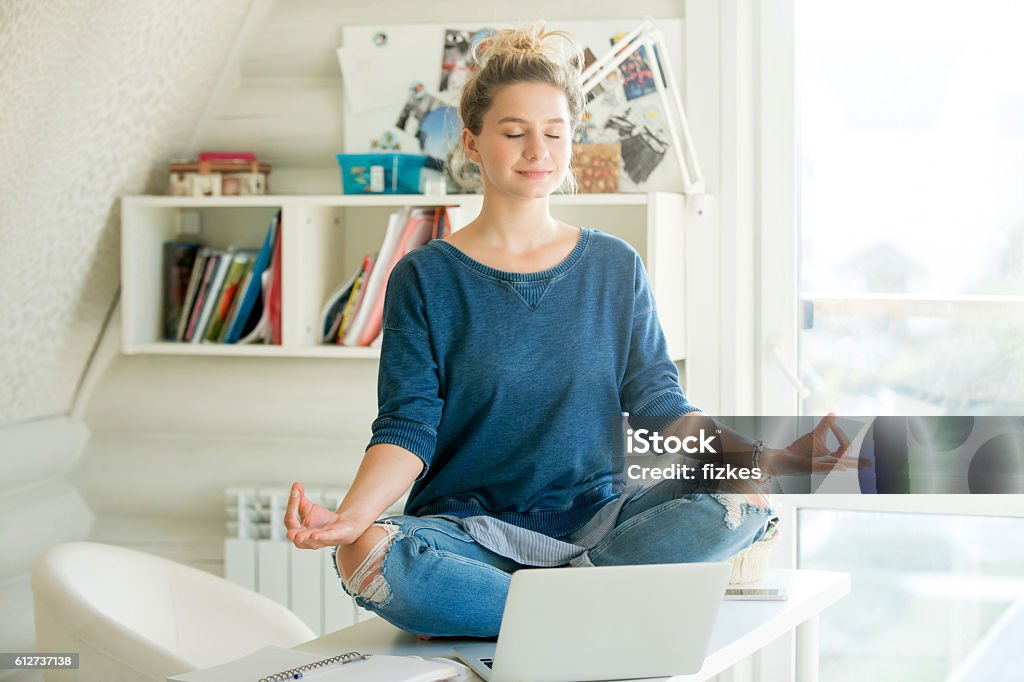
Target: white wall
[
  {"x": 93, "y": 97},
  {"x": 170, "y": 433},
  {"x": 37, "y": 509}
]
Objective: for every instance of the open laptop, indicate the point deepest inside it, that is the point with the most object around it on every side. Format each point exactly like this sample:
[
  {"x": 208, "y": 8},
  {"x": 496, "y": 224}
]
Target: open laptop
[{"x": 603, "y": 623}]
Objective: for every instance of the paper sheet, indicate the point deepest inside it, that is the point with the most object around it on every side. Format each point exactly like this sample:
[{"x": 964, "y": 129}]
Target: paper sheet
[{"x": 371, "y": 79}]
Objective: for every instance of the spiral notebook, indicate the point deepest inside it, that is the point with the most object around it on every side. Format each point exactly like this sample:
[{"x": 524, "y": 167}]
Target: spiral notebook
[{"x": 275, "y": 664}]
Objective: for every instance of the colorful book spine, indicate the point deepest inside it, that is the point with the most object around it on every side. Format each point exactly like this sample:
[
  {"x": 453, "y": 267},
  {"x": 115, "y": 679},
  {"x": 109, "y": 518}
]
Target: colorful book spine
[
  {"x": 358, "y": 291},
  {"x": 233, "y": 310},
  {"x": 438, "y": 213},
  {"x": 415, "y": 233},
  {"x": 198, "y": 269},
  {"x": 212, "y": 295},
  {"x": 273, "y": 299},
  {"x": 347, "y": 315},
  {"x": 178, "y": 261},
  {"x": 396, "y": 224},
  {"x": 335, "y": 308},
  {"x": 227, "y": 295},
  {"x": 204, "y": 285},
  {"x": 253, "y": 290}
]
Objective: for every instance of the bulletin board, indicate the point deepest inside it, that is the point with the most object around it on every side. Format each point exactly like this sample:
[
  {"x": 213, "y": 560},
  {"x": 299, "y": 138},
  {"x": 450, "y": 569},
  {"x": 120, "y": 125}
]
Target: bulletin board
[{"x": 393, "y": 74}]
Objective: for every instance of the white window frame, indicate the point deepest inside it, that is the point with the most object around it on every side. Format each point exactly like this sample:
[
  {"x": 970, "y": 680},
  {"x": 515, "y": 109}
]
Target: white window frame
[
  {"x": 776, "y": 211},
  {"x": 778, "y": 258},
  {"x": 777, "y": 208}
]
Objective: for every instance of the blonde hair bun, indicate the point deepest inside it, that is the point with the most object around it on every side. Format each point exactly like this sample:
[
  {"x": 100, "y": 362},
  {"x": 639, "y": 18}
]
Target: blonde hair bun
[{"x": 530, "y": 41}]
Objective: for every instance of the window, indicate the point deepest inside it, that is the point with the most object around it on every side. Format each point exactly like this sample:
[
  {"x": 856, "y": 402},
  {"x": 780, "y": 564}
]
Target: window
[
  {"x": 931, "y": 594},
  {"x": 911, "y": 208}
]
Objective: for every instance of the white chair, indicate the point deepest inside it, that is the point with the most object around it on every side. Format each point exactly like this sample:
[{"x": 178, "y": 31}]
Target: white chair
[{"x": 135, "y": 616}]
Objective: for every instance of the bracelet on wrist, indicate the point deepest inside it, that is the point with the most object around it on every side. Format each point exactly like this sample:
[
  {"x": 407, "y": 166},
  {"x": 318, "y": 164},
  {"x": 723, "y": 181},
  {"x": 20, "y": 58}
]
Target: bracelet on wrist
[{"x": 756, "y": 460}]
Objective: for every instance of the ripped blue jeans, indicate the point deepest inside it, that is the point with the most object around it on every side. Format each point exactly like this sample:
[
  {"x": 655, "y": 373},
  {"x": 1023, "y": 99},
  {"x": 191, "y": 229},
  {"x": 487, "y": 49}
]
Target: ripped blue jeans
[{"x": 429, "y": 577}]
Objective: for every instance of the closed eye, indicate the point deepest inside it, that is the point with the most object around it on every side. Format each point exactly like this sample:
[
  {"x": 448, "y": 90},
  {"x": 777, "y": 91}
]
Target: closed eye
[{"x": 553, "y": 137}]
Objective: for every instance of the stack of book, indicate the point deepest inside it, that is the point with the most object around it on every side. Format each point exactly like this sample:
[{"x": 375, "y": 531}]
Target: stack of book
[
  {"x": 353, "y": 314},
  {"x": 230, "y": 295}
]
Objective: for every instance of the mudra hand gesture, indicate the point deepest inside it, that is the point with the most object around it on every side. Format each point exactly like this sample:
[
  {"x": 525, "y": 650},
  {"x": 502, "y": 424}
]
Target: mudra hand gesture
[
  {"x": 311, "y": 526},
  {"x": 810, "y": 453}
]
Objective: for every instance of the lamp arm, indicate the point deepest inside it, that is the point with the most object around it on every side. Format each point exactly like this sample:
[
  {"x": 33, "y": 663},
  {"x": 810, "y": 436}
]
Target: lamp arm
[
  {"x": 693, "y": 183},
  {"x": 599, "y": 64},
  {"x": 648, "y": 35},
  {"x": 609, "y": 66}
]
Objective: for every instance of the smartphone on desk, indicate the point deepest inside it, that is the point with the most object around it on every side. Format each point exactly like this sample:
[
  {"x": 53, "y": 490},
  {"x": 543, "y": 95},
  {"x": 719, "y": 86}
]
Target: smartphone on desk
[{"x": 755, "y": 594}]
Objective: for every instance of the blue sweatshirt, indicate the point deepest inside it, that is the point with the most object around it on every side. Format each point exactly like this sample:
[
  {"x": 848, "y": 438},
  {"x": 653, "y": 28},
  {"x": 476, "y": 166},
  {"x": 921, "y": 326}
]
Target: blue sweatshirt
[{"x": 511, "y": 386}]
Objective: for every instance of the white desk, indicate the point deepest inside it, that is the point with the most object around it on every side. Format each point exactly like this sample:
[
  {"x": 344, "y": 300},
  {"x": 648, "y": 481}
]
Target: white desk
[{"x": 741, "y": 629}]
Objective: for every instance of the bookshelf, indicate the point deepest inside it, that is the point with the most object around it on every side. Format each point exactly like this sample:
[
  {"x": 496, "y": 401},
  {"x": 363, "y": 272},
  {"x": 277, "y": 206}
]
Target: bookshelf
[{"x": 324, "y": 239}]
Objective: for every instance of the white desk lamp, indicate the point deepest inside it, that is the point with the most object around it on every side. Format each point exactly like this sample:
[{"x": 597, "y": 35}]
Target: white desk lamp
[{"x": 648, "y": 34}]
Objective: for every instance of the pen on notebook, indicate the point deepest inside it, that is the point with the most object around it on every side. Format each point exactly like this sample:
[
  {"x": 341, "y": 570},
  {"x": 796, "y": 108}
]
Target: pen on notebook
[
  {"x": 297, "y": 673},
  {"x": 360, "y": 657}
]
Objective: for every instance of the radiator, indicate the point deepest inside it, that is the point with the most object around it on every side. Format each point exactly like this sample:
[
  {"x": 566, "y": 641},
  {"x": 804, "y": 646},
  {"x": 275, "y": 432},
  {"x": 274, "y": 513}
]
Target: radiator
[{"x": 257, "y": 555}]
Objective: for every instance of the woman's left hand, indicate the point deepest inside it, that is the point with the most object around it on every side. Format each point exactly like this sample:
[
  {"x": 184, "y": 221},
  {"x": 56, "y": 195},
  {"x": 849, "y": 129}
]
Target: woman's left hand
[{"x": 810, "y": 454}]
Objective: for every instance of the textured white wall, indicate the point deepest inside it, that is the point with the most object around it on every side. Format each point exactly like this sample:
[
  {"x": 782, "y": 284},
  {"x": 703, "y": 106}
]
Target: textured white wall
[{"x": 95, "y": 96}]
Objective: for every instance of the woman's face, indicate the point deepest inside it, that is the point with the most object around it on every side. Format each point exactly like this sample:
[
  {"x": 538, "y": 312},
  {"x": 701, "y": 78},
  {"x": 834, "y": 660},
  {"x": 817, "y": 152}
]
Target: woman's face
[{"x": 524, "y": 145}]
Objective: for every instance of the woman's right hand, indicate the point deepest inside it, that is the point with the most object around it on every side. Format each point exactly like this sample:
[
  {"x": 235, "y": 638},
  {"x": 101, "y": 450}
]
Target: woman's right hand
[{"x": 311, "y": 526}]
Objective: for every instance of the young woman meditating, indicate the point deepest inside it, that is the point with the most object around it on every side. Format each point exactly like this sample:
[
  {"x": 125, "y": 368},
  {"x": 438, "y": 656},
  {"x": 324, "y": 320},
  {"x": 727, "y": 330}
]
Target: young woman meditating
[{"x": 511, "y": 350}]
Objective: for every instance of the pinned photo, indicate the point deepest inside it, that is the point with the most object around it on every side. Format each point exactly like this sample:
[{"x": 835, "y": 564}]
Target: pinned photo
[
  {"x": 416, "y": 107},
  {"x": 433, "y": 122},
  {"x": 597, "y": 167},
  {"x": 609, "y": 101},
  {"x": 588, "y": 59},
  {"x": 457, "y": 61},
  {"x": 439, "y": 132},
  {"x": 637, "y": 77},
  {"x": 643, "y": 147}
]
